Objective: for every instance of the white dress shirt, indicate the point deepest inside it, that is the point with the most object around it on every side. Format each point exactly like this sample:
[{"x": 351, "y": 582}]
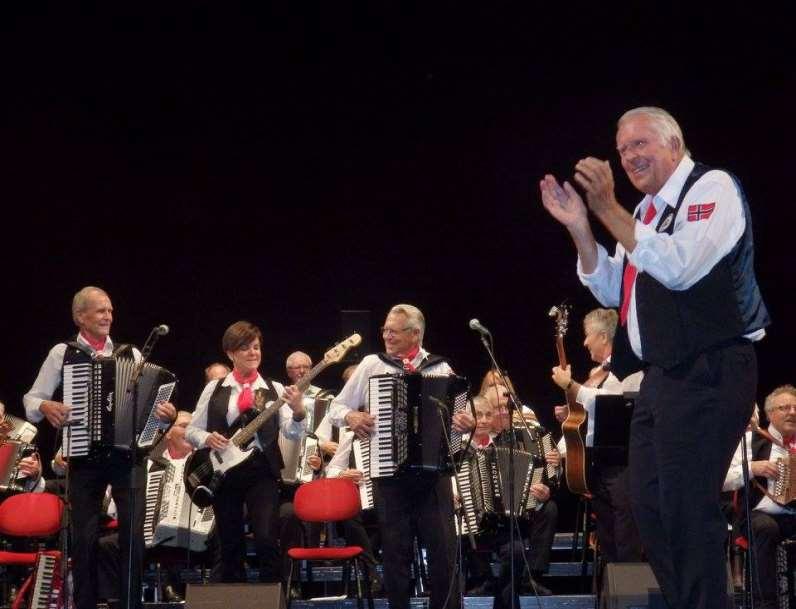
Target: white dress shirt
[
  {"x": 678, "y": 260},
  {"x": 49, "y": 378},
  {"x": 197, "y": 432}
]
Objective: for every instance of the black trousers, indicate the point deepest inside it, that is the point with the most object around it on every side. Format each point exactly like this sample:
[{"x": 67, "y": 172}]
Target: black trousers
[
  {"x": 616, "y": 529},
  {"x": 250, "y": 484},
  {"x": 428, "y": 499},
  {"x": 686, "y": 425},
  {"x": 769, "y": 531},
  {"x": 88, "y": 480}
]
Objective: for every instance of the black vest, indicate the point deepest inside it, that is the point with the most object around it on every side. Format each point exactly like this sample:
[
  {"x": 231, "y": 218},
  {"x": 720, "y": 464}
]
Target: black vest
[
  {"x": 267, "y": 435},
  {"x": 677, "y": 325},
  {"x": 430, "y": 360}
]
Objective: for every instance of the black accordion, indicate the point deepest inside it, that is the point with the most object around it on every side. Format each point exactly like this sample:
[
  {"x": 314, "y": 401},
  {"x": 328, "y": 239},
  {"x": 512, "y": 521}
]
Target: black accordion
[
  {"x": 486, "y": 490},
  {"x": 413, "y": 415},
  {"x": 101, "y": 414}
]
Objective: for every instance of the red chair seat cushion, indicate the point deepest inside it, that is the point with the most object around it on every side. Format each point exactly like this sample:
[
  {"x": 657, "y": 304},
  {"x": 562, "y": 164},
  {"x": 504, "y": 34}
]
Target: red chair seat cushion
[
  {"x": 343, "y": 553},
  {"x": 31, "y": 515},
  {"x": 17, "y": 558}
]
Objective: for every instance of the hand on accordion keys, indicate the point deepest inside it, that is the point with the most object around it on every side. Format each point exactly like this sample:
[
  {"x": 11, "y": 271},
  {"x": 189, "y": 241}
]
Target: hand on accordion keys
[
  {"x": 765, "y": 469},
  {"x": 361, "y": 423},
  {"x": 56, "y": 412}
]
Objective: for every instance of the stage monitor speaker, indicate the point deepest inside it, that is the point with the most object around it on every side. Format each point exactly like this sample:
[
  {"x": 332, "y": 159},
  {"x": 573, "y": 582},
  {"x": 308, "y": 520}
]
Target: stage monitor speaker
[
  {"x": 239, "y": 596},
  {"x": 630, "y": 585}
]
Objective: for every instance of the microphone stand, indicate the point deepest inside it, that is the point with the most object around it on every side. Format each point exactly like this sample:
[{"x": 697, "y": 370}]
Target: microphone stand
[
  {"x": 132, "y": 395},
  {"x": 513, "y": 524}
]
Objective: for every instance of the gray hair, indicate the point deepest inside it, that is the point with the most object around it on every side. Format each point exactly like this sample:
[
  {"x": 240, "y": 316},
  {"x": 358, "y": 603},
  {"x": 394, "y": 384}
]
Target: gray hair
[
  {"x": 604, "y": 319},
  {"x": 295, "y": 355},
  {"x": 789, "y": 389},
  {"x": 663, "y": 123},
  {"x": 414, "y": 317},
  {"x": 80, "y": 300}
]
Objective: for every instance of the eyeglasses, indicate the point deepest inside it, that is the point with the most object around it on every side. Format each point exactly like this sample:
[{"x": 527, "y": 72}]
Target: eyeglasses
[
  {"x": 299, "y": 367},
  {"x": 634, "y": 146},
  {"x": 783, "y": 408},
  {"x": 392, "y": 331}
]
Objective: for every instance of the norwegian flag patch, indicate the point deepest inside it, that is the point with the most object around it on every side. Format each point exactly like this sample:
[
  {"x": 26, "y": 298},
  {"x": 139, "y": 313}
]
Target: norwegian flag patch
[{"x": 700, "y": 211}]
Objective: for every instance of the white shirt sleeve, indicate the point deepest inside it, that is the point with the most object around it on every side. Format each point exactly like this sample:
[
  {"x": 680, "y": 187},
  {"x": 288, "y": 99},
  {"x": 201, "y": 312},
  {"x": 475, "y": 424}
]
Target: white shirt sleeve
[
  {"x": 48, "y": 380},
  {"x": 340, "y": 460},
  {"x": 324, "y": 429},
  {"x": 734, "y": 478},
  {"x": 197, "y": 433},
  {"x": 605, "y": 282},
  {"x": 681, "y": 259},
  {"x": 353, "y": 395}
]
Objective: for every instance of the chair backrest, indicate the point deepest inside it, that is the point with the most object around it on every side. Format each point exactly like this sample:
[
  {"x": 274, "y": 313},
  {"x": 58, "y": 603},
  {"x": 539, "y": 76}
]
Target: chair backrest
[
  {"x": 327, "y": 500},
  {"x": 31, "y": 515}
]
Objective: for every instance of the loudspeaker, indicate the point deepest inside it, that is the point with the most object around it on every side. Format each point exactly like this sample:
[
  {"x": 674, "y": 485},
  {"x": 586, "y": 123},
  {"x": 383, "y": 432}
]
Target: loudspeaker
[
  {"x": 630, "y": 584},
  {"x": 239, "y": 596}
]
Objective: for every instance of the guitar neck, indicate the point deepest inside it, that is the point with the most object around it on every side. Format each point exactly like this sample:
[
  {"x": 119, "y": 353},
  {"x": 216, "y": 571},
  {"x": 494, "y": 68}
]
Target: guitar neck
[
  {"x": 562, "y": 361},
  {"x": 247, "y": 433}
]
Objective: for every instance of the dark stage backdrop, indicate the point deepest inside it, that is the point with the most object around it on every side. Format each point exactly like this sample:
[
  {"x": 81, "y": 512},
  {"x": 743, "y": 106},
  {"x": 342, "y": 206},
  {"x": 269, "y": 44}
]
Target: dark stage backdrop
[{"x": 209, "y": 164}]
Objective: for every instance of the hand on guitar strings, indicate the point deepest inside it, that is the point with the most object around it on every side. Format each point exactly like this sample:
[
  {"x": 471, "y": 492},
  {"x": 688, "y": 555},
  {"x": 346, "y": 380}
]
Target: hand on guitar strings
[{"x": 216, "y": 441}]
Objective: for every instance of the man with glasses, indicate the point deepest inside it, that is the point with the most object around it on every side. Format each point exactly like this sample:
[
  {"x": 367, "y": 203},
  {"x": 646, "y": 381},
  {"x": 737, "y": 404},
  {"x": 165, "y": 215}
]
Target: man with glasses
[
  {"x": 423, "y": 499},
  {"x": 771, "y": 522},
  {"x": 683, "y": 278}
]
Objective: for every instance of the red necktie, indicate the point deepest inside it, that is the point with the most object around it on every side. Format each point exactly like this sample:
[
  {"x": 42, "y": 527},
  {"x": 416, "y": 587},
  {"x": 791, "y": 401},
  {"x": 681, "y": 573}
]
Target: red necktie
[
  {"x": 245, "y": 397},
  {"x": 629, "y": 278},
  {"x": 407, "y": 361}
]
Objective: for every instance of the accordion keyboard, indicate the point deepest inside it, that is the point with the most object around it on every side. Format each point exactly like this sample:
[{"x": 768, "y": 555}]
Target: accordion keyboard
[{"x": 77, "y": 381}]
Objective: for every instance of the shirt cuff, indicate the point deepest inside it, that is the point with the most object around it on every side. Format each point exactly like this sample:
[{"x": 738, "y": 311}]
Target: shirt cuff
[{"x": 641, "y": 254}]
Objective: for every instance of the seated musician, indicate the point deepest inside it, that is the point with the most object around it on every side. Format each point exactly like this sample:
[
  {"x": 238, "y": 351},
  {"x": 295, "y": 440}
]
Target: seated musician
[
  {"x": 170, "y": 554},
  {"x": 216, "y": 371},
  {"x": 255, "y": 481},
  {"x": 616, "y": 529},
  {"x": 92, "y": 313},
  {"x": 427, "y": 497},
  {"x": 773, "y": 518},
  {"x": 540, "y": 528}
]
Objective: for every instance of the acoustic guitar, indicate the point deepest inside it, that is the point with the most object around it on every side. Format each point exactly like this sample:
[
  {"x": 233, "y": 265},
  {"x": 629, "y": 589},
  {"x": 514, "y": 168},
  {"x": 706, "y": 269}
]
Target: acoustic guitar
[{"x": 574, "y": 426}]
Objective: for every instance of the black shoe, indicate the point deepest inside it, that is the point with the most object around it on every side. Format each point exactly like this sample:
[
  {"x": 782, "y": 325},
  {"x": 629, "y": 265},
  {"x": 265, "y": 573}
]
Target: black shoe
[{"x": 170, "y": 595}]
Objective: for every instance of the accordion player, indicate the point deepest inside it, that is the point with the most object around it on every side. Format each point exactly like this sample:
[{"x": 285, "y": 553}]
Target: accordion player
[{"x": 102, "y": 405}]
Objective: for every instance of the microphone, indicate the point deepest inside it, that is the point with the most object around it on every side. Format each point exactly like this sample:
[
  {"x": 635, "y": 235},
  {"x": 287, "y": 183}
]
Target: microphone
[
  {"x": 478, "y": 327},
  {"x": 162, "y": 330}
]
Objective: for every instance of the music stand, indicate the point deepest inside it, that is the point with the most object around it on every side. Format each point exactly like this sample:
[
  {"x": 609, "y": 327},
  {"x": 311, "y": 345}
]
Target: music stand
[{"x": 612, "y": 415}]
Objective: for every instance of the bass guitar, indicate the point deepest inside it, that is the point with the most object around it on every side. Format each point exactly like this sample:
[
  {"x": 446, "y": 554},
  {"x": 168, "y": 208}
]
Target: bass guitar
[
  {"x": 206, "y": 467},
  {"x": 574, "y": 427}
]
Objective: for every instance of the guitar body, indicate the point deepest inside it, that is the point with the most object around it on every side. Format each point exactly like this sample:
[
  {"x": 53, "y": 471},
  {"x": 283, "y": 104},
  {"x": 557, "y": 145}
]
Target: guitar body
[
  {"x": 574, "y": 429},
  {"x": 206, "y": 468}
]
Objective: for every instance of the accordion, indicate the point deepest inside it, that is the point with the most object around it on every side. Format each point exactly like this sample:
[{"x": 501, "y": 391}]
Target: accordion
[
  {"x": 296, "y": 452},
  {"x": 486, "y": 490},
  {"x": 538, "y": 444},
  {"x": 11, "y": 453},
  {"x": 101, "y": 414},
  {"x": 46, "y": 584},
  {"x": 785, "y": 485},
  {"x": 361, "y": 452},
  {"x": 170, "y": 518},
  {"x": 14, "y": 428},
  {"x": 413, "y": 415}
]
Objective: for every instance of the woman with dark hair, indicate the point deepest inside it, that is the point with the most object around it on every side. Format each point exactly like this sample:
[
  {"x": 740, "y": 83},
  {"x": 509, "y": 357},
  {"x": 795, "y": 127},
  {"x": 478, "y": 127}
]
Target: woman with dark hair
[{"x": 222, "y": 407}]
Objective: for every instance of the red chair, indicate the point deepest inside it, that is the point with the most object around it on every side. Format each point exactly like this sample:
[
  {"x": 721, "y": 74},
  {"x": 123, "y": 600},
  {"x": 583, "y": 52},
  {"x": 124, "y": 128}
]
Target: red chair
[
  {"x": 31, "y": 515},
  {"x": 330, "y": 500}
]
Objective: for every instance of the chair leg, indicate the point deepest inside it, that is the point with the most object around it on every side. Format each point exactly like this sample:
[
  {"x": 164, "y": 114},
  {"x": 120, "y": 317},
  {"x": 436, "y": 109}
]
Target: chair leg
[
  {"x": 289, "y": 579},
  {"x": 368, "y": 590},
  {"x": 357, "y": 582},
  {"x": 346, "y": 576}
]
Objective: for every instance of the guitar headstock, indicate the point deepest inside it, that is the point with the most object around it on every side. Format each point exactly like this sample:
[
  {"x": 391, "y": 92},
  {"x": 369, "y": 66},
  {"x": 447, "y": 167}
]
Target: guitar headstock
[
  {"x": 560, "y": 315},
  {"x": 336, "y": 353}
]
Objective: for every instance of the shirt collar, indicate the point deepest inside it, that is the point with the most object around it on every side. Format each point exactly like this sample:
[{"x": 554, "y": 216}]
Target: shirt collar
[
  {"x": 671, "y": 189},
  {"x": 230, "y": 381},
  {"x": 775, "y": 433},
  {"x": 108, "y": 344}
]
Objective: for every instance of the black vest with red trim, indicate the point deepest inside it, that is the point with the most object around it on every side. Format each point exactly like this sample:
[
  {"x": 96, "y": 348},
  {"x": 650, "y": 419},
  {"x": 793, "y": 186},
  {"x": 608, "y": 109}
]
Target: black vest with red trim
[
  {"x": 267, "y": 435},
  {"x": 677, "y": 325}
]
